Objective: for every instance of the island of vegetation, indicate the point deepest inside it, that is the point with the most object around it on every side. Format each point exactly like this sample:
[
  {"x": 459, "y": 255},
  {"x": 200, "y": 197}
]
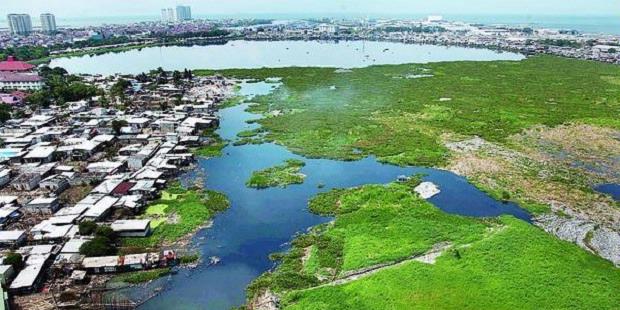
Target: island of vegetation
[
  {"x": 539, "y": 132},
  {"x": 389, "y": 249},
  {"x": 281, "y": 175}
]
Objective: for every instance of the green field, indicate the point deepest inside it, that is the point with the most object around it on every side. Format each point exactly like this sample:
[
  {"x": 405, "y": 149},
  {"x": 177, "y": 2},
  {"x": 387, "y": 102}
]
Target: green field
[
  {"x": 503, "y": 263},
  {"x": 379, "y": 110},
  {"x": 177, "y": 213},
  {"x": 281, "y": 175}
]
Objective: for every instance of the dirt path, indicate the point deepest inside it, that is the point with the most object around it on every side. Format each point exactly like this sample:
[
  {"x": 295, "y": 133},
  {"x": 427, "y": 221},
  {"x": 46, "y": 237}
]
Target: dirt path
[{"x": 428, "y": 258}]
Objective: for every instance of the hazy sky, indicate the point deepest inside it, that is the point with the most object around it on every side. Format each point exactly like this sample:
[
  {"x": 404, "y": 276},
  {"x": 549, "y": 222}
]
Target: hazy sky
[{"x": 91, "y": 8}]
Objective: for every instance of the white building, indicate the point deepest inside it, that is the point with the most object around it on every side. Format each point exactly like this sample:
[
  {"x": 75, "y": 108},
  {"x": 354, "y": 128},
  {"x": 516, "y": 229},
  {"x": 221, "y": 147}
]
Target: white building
[
  {"x": 183, "y": 13},
  {"x": 328, "y": 28},
  {"x": 20, "y": 81},
  {"x": 132, "y": 228},
  {"x": 167, "y": 15},
  {"x": 48, "y": 23},
  {"x": 19, "y": 24}
]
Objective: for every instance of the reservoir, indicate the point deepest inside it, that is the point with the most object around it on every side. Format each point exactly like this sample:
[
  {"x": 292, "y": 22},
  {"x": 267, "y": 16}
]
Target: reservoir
[
  {"x": 261, "y": 222},
  {"x": 273, "y": 54}
]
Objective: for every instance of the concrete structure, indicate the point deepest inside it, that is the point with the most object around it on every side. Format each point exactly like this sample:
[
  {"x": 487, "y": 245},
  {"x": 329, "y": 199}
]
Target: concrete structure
[
  {"x": 132, "y": 228},
  {"x": 183, "y": 13},
  {"x": 42, "y": 206},
  {"x": 12, "y": 237},
  {"x": 19, "y": 24},
  {"x": 17, "y": 81},
  {"x": 48, "y": 23},
  {"x": 167, "y": 15}
]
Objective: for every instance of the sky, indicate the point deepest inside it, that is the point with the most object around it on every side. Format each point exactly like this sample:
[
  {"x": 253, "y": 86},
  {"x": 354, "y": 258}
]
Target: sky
[{"x": 98, "y": 8}]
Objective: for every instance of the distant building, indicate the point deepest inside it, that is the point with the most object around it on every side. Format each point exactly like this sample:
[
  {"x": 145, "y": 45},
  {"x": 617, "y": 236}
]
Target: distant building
[
  {"x": 329, "y": 28},
  {"x": 167, "y": 15},
  {"x": 48, "y": 23},
  {"x": 19, "y": 24},
  {"x": 184, "y": 13},
  {"x": 434, "y": 18}
]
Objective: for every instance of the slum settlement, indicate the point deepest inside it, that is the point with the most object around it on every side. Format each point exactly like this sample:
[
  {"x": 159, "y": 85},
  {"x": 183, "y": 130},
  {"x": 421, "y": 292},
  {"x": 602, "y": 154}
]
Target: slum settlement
[{"x": 75, "y": 176}]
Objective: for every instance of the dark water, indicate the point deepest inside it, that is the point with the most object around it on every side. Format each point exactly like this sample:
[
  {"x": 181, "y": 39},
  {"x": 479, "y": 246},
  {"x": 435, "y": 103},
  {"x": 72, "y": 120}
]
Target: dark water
[
  {"x": 610, "y": 189},
  {"x": 261, "y": 222}
]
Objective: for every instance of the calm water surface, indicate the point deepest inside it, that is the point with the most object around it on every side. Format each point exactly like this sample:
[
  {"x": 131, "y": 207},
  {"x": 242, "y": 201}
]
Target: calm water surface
[
  {"x": 258, "y": 54},
  {"x": 261, "y": 222},
  {"x": 610, "y": 189}
]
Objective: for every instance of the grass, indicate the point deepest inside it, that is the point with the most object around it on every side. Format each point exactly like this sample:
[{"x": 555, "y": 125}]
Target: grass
[
  {"x": 178, "y": 213},
  {"x": 281, "y": 175},
  {"x": 401, "y": 120},
  {"x": 189, "y": 259},
  {"x": 374, "y": 224},
  {"x": 141, "y": 276},
  {"x": 503, "y": 263},
  {"x": 213, "y": 148},
  {"x": 519, "y": 268}
]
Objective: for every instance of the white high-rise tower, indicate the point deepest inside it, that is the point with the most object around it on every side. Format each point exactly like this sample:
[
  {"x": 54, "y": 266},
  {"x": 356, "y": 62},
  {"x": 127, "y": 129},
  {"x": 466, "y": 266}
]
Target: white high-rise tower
[
  {"x": 48, "y": 23},
  {"x": 20, "y": 24}
]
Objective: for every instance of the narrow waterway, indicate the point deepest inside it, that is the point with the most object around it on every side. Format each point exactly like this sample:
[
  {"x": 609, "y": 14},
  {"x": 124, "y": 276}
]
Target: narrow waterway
[{"x": 261, "y": 222}]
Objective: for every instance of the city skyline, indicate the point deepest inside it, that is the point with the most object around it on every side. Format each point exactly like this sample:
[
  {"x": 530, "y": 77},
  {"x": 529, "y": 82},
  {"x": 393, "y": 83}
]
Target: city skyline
[{"x": 73, "y": 8}]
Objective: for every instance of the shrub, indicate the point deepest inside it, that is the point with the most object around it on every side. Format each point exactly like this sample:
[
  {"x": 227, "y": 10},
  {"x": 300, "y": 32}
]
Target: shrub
[
  {"x": 105, "y": 231},
  {"x": 15, "y": 260},
  {"x": 99, "y": 246},
  {"x": 87, "y": 228}
]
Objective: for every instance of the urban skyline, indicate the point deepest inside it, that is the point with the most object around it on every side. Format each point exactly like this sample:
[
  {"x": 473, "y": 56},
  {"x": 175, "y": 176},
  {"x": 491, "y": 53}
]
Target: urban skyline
[{"x": 246, "y": 7}]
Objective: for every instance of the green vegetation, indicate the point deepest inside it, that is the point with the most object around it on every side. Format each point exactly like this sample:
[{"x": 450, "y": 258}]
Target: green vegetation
[
  {"x": 14, "y": 259},
  {"x": 189, "y": 259},
  {"x": 104, "y": 242},
  {"x": 24, "y": 53},
  {"x": 141, "y": 276},
  {"x": 502, "y": 263},
  {"x": 179, "y": 213},
  {"x": 87, "y": 228},
  {"x": 60, "y": 88},
  {"x": 282, "y": 175},
  {"x": 214, "y": 147},
  {"x": 401, "y": 121}
]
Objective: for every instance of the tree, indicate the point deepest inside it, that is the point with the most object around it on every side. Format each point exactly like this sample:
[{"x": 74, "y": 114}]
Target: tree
[
  {"x": 99, "y": 246},
  {"x": 5, "y": 113},
  {"x": 118, "y": 124},
  {"x": 15, "y": 260},
  {"x": 187, "y": 74},
  {"x": 118, "y": 89},
  {"x": 105, "y": 231},
  {"x": 87, "y": 228},
  {"x": 142, "y": 77},
  {"x": 40, "y": 98},
  {"x": 176, "y": 77}
]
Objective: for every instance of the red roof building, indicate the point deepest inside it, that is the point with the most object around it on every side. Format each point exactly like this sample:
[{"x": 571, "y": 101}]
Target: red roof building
[{"x": 13, "y": 65}]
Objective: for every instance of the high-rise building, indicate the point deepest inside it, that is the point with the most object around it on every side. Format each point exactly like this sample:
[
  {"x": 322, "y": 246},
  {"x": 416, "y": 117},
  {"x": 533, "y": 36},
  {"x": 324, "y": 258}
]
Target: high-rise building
[
  {"x": 20, "y": 24},
  {"x": 184, "y": 13},
  {"x": 167, "y": 15},
  {"x": 48, "y": 23}
]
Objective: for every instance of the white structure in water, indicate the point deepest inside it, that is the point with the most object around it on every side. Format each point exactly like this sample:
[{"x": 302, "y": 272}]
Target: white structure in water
[{"x": 427, "y": 190}]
